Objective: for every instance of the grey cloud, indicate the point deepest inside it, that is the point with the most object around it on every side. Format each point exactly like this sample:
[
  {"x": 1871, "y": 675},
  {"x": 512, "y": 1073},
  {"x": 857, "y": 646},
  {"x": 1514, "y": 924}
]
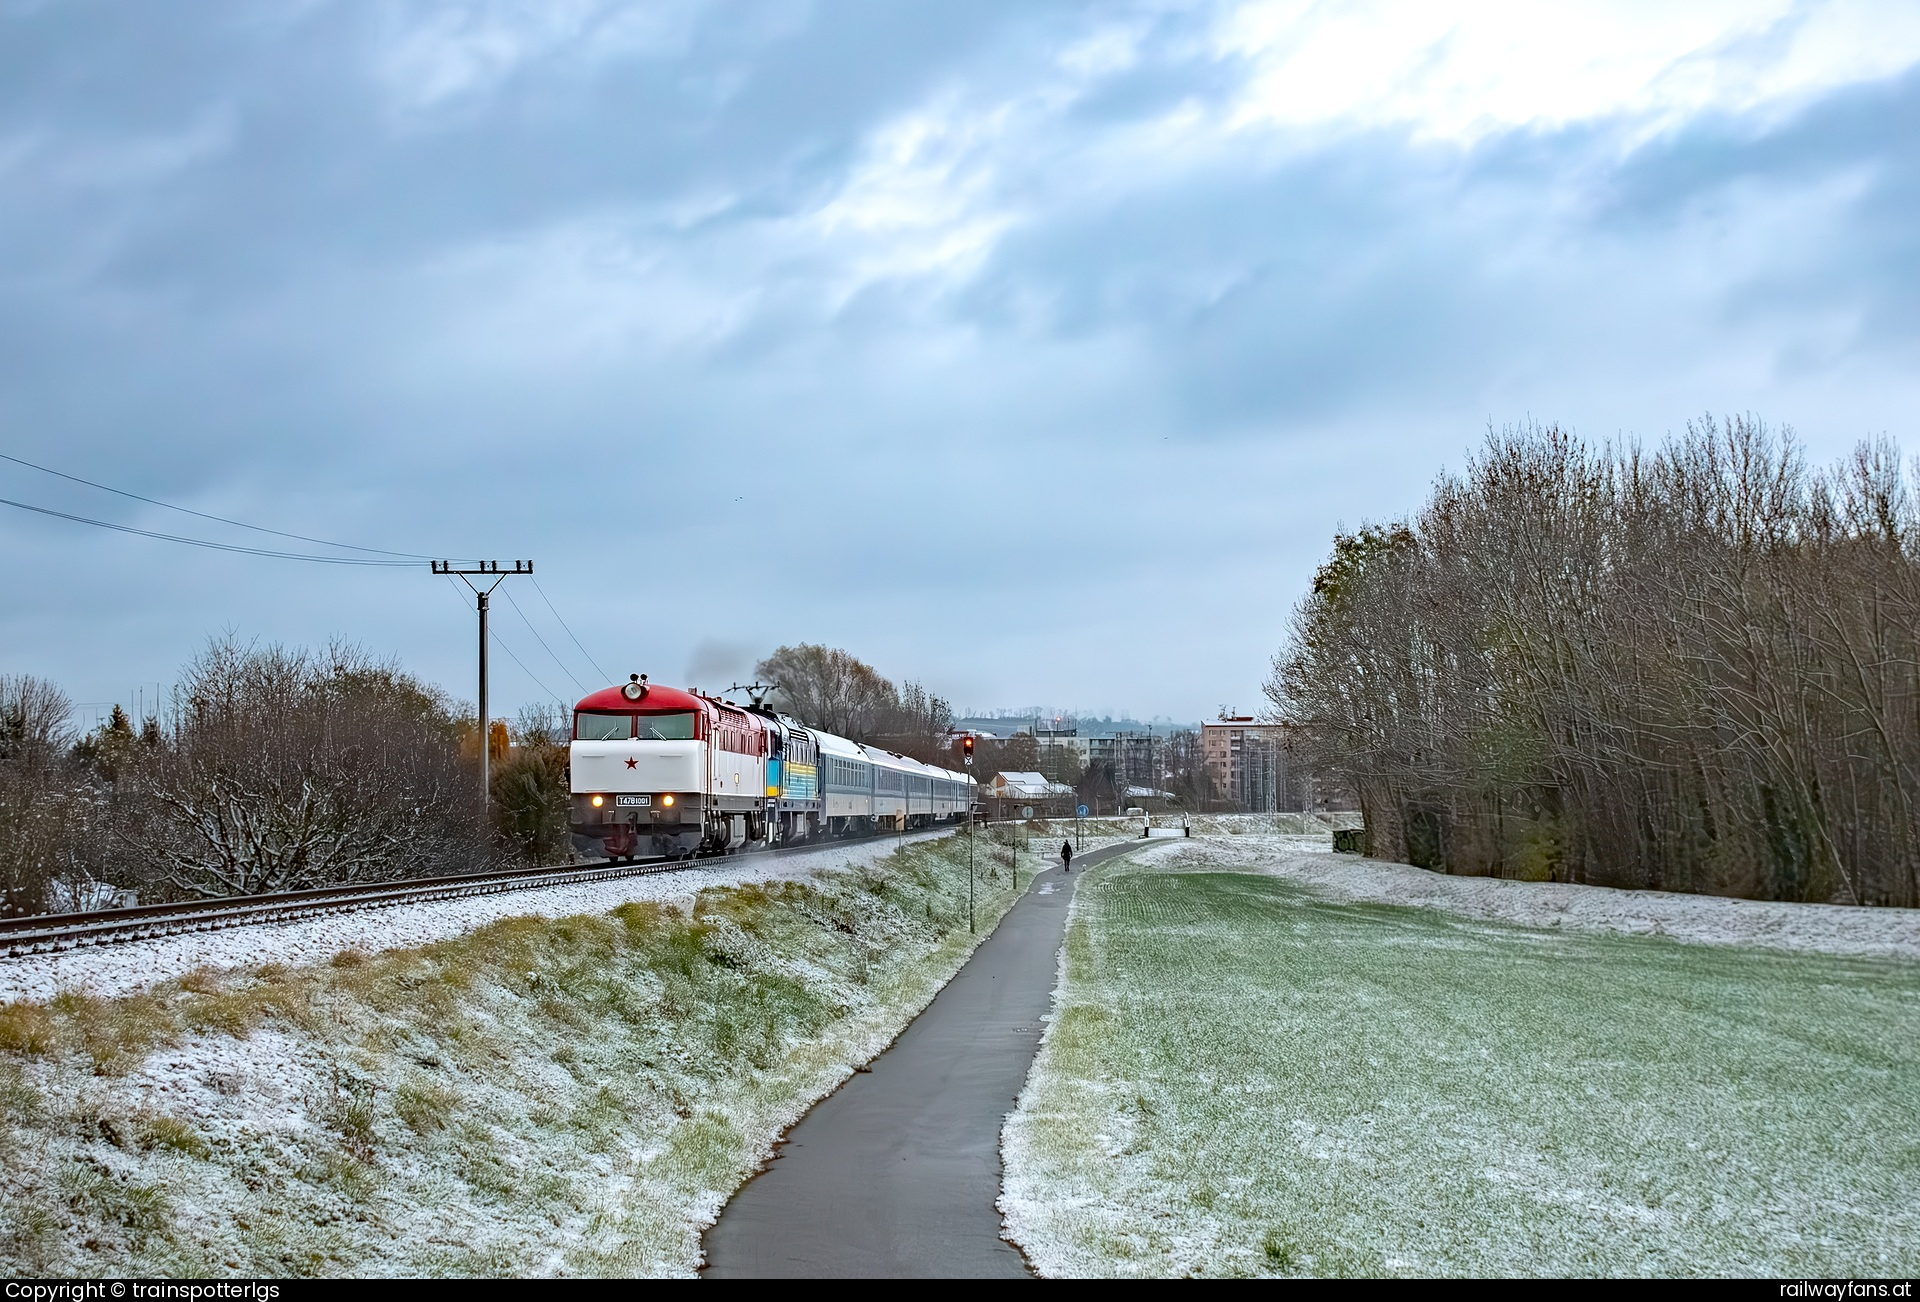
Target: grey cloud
[{"x": 580, "y": 307}]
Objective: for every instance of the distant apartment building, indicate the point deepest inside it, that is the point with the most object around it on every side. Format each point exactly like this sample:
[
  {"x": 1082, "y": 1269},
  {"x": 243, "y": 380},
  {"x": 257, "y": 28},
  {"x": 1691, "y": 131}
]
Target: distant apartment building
[
  {"x": 1062, "y": 753},
  {"x": 1247, "y": 763},
  {"x": 1131, "y": 754}
]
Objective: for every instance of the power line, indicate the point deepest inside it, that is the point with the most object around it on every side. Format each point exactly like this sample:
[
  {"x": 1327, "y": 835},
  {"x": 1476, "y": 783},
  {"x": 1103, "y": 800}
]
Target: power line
[
  {"x": 495, "y": 637},
  {"x": 542, "y": 641},
  {"x": 212, "y": 546},
  {"x": 557, "y": 698},
  {"x": 604, "y": 675},
  {"x": 221, "y": 519}
]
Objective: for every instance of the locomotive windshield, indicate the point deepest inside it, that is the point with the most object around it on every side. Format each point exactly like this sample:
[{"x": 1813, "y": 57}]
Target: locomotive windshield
[
  {"x": 602, "y": 727},
  {"x": 594, "y": 726},
  {"x": 666, "y": 727}
]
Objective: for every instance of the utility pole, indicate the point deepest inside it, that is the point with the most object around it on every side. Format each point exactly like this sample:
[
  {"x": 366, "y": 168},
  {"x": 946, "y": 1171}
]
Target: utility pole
[{"x": 484, "y": 570}]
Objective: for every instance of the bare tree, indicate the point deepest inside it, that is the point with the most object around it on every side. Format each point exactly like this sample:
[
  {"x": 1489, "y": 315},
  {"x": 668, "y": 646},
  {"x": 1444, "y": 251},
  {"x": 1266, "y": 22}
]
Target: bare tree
[
  {"x": 919, "y": 724},
  {"x": 1019, "y": 753},
  {"x": 835, "y": 691},
  {"x": 1696, "y": 668},
  {"x": 286, "y": 769},
  {"x": 1183, "y": 765},
  {"x": 46, "y": 806},
  {"x": 1101, "y": 788},
  {"x": 829, "y": 689}
]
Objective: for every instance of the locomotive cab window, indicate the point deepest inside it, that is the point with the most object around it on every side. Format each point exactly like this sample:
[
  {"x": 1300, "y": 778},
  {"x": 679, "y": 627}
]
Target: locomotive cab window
[
  {"x": 667, "y": 727},
  {"x": 602, "y": 727}
]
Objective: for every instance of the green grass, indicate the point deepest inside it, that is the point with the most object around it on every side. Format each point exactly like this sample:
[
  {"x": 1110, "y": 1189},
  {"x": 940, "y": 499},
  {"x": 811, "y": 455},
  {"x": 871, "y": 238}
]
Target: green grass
[{"x": 1245, "y": 1079}]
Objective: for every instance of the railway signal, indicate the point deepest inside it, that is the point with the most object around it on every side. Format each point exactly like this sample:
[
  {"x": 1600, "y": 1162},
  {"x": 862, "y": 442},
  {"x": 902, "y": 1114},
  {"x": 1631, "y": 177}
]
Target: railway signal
[{"x": 483, "y": 570}]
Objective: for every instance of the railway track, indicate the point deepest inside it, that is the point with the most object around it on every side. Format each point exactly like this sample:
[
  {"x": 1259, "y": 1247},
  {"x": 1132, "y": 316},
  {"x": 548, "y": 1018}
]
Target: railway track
[{"x": 52, "y": 933}]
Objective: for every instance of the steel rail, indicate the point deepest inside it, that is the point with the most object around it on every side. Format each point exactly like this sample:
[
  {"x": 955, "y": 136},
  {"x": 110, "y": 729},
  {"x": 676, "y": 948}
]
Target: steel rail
[{"x": 50, "y": 933}]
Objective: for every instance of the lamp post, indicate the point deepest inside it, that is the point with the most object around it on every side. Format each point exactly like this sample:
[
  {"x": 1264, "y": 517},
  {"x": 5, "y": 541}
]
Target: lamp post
[
  {"x": 970, "y": 924},
  {"x": 966, "y": 752}
]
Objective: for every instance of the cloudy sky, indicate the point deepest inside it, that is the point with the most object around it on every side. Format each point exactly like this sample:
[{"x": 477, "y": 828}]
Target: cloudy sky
[{"x": 1034, "y": 350}]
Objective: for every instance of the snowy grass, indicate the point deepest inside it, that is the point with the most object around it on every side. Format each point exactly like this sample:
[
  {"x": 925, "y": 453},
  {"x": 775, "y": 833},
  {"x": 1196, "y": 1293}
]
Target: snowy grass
[
  {"x": 1247, "y": 1077},
  {"x": 1697, "y": 919},
  {"x": 126, "y": 966},
  {"x": 540, "y": 1096}
]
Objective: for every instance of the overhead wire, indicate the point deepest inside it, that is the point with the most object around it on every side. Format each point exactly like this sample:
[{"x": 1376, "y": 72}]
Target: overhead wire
[
  {"x": 184, "y": 510},
  {"x": 604, "y": 675},
  {"x": 556, "y": 697},
  {"x": 400, "y": 559},
  {"x": 210, "y": 545},
  {"x": 501, "y": 643},
  {"x": 541, "y": 640}
]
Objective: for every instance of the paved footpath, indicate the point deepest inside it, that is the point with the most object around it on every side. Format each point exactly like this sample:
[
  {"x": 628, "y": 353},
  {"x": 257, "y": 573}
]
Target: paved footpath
[{"x": 896, "y": 1173}]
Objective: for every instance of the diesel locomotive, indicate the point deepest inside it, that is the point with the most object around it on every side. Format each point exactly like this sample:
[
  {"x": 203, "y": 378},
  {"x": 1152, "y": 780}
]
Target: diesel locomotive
[{"x": 662, "y": 771}]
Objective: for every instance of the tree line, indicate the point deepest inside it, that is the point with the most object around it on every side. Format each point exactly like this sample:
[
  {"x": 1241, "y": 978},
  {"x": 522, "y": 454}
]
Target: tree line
[
  {"x": 1693, "y": 668},
  {"x": 276, "y": 769},
  {"x": 837, "y": 692},
  {"x": 272, "y": 769},
  {"x": 833, "y": 690}
]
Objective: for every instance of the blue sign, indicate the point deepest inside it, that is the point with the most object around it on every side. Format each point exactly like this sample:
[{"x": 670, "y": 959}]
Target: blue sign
[{"x": 1083, "y": 811}]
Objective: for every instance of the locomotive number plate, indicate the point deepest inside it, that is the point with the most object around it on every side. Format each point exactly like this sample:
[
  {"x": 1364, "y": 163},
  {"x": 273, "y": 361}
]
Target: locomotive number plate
[{"x": 632, "y": 801}]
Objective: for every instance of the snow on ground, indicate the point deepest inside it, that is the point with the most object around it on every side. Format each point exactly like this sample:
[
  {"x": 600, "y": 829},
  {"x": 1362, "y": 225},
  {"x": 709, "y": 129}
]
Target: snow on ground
[
  {"x": 543, "y": 1094},
  {"x": 1252, "y": 1069},
  {"x": 1697, "y": 919},
  {"x": 121, "y": 968}
]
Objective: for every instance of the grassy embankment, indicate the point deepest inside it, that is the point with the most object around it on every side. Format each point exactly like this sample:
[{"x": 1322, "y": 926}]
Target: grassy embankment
[
  {"x": 542, "y": 1096},
  {"x": 1246, "y": 1079}
]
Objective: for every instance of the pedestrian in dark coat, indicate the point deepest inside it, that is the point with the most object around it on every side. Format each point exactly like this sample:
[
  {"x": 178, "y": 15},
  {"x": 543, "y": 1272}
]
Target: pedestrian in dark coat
[{"x": 1066, "y": 856}]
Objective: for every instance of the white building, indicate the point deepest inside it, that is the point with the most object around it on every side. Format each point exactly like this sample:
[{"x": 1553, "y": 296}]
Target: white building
[{"x": 1011, "y": 792}]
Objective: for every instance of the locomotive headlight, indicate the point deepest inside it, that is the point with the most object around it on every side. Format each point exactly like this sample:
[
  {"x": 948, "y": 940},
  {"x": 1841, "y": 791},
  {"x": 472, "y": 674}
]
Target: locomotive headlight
[
  {"x": 667, "y": 801},
  {"x": 599, "y": 801}
]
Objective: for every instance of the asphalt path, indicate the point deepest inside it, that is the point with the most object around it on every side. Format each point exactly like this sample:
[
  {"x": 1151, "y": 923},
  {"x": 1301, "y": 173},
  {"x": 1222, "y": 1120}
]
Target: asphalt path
[{"x": 896, "y": 1173}]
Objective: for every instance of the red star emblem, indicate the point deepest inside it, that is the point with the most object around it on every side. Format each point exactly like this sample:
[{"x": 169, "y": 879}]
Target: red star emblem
[{"x": 632, "y": 763}]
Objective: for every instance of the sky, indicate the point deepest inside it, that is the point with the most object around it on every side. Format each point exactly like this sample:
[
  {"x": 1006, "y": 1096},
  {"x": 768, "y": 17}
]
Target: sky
[{"x": 1034, "y": 351}]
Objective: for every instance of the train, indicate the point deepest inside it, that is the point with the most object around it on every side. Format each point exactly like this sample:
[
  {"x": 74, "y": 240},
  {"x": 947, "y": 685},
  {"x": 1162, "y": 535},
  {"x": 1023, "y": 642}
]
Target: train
[{"x": 662, "y": 771}]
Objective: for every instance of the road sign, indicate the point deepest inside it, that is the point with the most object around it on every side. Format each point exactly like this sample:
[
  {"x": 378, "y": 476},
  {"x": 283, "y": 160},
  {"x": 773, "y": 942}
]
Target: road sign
[
  {"x": 1026, "y": 811},
  {"x": 1081, "y": 812}
]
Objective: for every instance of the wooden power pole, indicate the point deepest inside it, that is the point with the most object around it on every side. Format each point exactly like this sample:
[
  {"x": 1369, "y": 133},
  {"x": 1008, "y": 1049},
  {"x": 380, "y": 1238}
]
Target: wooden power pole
[{"x": 483, "y": 570}]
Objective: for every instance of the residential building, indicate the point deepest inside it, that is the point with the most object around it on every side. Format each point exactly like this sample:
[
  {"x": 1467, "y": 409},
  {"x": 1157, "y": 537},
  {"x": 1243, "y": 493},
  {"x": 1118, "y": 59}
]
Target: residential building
[
  {"x": 1247, "y": 763},
  {"x": 1130, "y": 753},
  {"x": 1062, "y": 753},
  {"x": 1008, "y": 794}
]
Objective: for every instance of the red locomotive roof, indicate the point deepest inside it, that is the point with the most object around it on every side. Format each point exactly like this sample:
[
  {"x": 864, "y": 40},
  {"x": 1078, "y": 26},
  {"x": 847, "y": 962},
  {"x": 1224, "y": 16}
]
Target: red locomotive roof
[{"x": 657, "y": 698}]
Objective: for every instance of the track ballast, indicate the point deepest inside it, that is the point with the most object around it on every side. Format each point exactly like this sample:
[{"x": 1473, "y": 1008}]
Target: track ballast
[{"x": 52, "y": 933}]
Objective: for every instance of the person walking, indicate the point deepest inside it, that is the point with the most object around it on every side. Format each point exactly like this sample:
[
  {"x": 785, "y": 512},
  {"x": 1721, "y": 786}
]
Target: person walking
[{"x": 1066, "y": 856}]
